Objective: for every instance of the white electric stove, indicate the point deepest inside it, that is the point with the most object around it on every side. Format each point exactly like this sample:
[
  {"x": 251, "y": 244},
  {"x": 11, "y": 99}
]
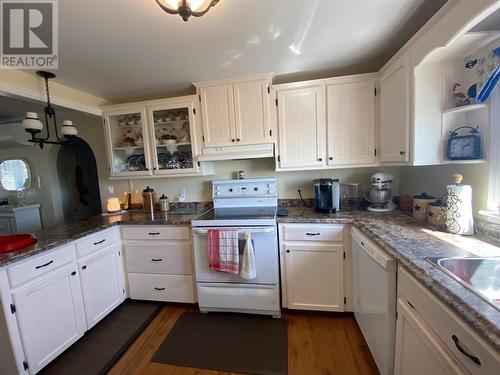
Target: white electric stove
[{"x": 250, "y": 207}]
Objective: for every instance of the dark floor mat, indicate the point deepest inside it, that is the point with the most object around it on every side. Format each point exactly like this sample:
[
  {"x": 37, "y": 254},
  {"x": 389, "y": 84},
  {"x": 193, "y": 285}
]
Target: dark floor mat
[
  {"x": 234, "y": 343},
  {"x": 99, "y": 349}
]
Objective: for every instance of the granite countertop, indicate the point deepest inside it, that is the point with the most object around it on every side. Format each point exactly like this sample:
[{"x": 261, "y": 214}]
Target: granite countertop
[
  {"x": 410, "y": 241},
  {"x": 65, "y": 233}
]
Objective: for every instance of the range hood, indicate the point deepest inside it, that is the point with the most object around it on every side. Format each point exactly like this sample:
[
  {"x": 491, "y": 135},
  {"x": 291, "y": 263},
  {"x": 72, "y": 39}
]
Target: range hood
[
  {"x": 264, "y": 150},
  {"x": 13, "y": 135}
]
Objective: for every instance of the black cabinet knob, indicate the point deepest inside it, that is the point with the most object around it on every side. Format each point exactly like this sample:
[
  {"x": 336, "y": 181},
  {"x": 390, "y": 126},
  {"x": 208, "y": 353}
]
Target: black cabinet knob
[
  {"x": 288, "y": 251},
  {"x": 402, "y": 152},
  {"x": 73, "y": 273},
  {"x": 331, "y": 158},
  {"x": 232, "y": 140},
  {"x": 237, "y": 139},
  {"x": 320, "y": 159},
  {"x": 84, "y": 267}
]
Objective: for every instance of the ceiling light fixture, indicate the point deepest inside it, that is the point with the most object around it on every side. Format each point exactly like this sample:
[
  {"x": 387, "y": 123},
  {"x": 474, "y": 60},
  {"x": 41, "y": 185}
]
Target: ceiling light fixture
[
  {"x": 187, "y": 8},
  {"x": 32, "y": 125}
]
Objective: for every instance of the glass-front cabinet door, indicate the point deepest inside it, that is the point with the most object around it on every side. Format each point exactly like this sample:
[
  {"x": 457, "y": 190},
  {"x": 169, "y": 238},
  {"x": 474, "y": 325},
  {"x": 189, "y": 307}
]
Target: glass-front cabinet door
[
  {"x": 172, "y": 135},
  {"x": 127, "y": 138}
]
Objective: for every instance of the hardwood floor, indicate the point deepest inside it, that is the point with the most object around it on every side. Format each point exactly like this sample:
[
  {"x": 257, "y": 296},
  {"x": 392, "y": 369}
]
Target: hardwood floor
[{"x": 318, "y": 343}]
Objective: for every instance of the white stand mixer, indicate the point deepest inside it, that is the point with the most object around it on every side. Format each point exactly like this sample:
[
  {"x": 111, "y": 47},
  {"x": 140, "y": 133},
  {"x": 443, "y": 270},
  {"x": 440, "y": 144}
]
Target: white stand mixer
[{"x": 380, "y": 196}]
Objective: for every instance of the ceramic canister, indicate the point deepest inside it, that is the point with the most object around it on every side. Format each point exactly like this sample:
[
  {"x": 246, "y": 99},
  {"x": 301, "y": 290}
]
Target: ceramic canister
[
  {"x": 420, "y": 203},
  {"x": 435, "y": 213}
]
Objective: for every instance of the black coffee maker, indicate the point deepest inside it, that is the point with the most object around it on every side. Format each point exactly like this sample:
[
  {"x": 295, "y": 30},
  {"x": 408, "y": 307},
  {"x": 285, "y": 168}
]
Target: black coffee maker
[{"x": 327, "y": 195}]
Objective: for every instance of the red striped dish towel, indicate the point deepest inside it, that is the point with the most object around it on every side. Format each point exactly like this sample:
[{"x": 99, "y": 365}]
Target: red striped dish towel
[{"x": 223, "y": 253}]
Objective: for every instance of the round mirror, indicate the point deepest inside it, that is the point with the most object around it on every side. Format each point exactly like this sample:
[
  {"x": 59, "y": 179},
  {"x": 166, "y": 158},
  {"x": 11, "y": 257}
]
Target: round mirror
[{"x": 15, "y": 175}]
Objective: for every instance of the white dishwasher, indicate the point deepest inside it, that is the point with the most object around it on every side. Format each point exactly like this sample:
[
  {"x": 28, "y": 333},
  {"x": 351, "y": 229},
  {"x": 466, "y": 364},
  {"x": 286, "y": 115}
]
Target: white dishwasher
[{"x": 374, "y": 298}]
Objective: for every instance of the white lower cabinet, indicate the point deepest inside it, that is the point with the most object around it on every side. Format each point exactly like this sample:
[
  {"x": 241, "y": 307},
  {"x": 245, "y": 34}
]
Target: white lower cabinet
[
  {"x": 432, "y": 339},
  {"x": 314, "y": 277},
  {"x": 101, "y": 279},
  {"x": 159, "y": 263},
  {"x": 418, "y": 350},
  {"x": 312, "y": 269},
  {"x": 168, "y": 288},
  {"x": 50, "y": 316}
]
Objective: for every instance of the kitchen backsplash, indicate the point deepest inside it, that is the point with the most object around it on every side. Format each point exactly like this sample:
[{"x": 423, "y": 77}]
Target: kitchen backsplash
[{"x": 200, "y": 188}]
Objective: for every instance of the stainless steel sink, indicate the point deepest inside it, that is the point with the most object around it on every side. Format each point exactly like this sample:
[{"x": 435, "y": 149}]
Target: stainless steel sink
[{"x": 479, "y": 274}]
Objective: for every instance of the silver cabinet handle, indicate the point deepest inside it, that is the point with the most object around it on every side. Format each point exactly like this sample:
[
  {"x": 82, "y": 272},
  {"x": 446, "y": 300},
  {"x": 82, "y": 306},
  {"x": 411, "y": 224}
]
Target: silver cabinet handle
[{"x": 459, "y": 346}]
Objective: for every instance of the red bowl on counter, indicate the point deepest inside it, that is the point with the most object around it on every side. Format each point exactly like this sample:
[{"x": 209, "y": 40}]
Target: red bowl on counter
[{"x": 16, "y": 242}]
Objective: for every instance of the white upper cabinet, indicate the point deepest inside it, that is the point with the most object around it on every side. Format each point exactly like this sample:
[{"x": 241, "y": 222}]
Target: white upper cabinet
[
  {"x": 327, "y": 123},
  {"x": 236, "y": 112},
  {"x": 172, "y": 126},
  {"x": 156, "y": 138},
  {"x": 302, "y": 127},
  {"x": 218, "y": 115},
  {"x": 351, "y": 123},
  {"x": 395, "y": 112},
  {"x": 127, "y": 142},
  {"x": 251, "y": 102}
]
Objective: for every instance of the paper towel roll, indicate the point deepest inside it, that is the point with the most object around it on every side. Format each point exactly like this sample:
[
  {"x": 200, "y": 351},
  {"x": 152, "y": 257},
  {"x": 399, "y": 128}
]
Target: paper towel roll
[{"x": 459, "y": 218}]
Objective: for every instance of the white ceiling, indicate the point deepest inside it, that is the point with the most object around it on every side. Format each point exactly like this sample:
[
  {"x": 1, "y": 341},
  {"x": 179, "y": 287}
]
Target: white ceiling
[{"x": 131, "y": 49}]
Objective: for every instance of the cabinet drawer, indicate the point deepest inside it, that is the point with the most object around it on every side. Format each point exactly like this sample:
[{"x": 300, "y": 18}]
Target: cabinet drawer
[
  {"x": 313, "y": 232},
  {"x": 40, "y": 265},
  {"x": 151, "y": 232},
  {"x": 446, "y": 324},
  {"x": 169, "y": 288},
  {"x": 96, "y": 241},
  {"x": 157, "y": 257}
]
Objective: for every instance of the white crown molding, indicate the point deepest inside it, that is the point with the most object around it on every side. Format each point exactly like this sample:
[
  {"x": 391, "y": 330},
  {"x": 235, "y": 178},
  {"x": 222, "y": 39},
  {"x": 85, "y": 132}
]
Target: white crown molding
[{"x": 7, "y": 89}]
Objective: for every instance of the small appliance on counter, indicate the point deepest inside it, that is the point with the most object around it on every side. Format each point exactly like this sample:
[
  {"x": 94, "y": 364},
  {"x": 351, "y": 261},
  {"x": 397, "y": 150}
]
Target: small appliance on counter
[
  {"x": 420, "y": 204},
  {"x": 327, "y": 195},
  {"x": 148, "y": 200},
  {"x": 351, "y": 195},
  {"x": 380, "y": 195}
]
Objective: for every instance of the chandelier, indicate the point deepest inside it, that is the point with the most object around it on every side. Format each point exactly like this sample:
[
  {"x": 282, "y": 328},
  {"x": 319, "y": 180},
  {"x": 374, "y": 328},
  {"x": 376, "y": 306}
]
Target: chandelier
[
  {"x": 32, "y": 125},
  {"x": 187, "y": 8}
]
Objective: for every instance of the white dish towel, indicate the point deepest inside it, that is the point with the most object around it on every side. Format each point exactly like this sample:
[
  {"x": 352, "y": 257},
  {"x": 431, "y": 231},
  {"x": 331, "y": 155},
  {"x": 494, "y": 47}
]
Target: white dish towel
[{"x": 248, "y": 271}]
